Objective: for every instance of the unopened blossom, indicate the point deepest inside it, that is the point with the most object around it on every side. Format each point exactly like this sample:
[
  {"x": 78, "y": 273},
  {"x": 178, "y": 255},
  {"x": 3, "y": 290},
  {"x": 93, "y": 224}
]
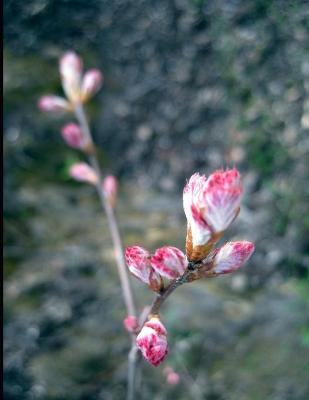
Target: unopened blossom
[
  {"x": 91, "y": 83},
  {"x": 130, "y": 323},
  {"x": 70, "y": 67},
  {"x": 221, "y": 199},
  {"x": 172, "y": 378},
  {"x": 138, "y": 261},
  {"x": 110, "y": 186},
  {"x": 169, "y": 262},
  {"x": 210, "y": 206},
  {"x": 199, "y": 228},
  {"x": 83, "y": 172},
  {"x": 152, "y": 341},
  {"x": 73, "y": 135},
  {"x": 231, "y": 256},
  {"x": 55, "y": 104}
]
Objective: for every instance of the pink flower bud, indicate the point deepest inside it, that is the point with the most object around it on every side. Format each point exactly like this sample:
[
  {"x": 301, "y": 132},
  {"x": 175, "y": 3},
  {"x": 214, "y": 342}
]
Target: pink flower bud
[
  {"x": 172, "y": 378},
  {"x": 130, "y": 323},
  {"x": 201, "y": 231},
  {"x": 219, "y": 201},
  {"x": 70, "y": 66},
  {"x": 54, "y": 104},
  {"x": 210, "y": 206},
  {"x": 231, "y": 256},
  {"x": 83, "y": 172},
  {"x": 91, "y": 83},
  {"x": 138, "y": 261},
  {"x": 110, "y": 187},
  {"x": 152, "y": 341},
  {"x": 169, "y": 262},
  {"x": 73, "y": 135}
]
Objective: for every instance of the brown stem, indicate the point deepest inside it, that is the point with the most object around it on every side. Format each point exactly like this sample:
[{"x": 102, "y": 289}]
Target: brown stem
[
  {"x": 113, "y": 227},
  {"x": 161, "y": 297},
  {"x": 111, "y": 218}
]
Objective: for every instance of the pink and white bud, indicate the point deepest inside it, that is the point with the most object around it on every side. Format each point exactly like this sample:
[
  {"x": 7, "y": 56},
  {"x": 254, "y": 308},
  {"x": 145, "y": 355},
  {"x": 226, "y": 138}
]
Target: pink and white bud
[
  {"x": 92, "y": 82},
  {"x": 172, "y": 378},
  {"x": 71, "y": 66},
  {"x": 130, "y": 323},
  {"x": 82, "y": 172},
  {"x": 169, "y": 262},
  {"x": 152, "y": 341},
  {"x": 110, "y": 186},
  {"x": 55, "y": 104},
  {"x": 200, "y": 230},
  {"x": 73, "y": 135},
  {"x": 138, "y": 261},
  {"x": 210, "y": 206},
  {"x": 219, "y": 201},
  {"x": 231, "y": 256}
]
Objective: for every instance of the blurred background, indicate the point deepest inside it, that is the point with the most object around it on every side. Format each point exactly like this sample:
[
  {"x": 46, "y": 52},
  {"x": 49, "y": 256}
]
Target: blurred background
[{"x": 190, "y": 85}]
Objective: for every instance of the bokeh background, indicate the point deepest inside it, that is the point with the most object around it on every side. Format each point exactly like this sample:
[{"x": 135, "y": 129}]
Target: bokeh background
[{"x": 190, "y": 85}]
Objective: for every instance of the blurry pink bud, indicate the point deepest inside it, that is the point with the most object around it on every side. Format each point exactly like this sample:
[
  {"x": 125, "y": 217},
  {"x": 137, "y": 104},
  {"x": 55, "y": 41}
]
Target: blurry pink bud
[
  {"x": 54, "y": 104},
  {"x": 138, "y": 261},
  {"x": 73, "y": 135},
  {"x": 231, "y": 256},
  {"x": 70, "y": 66},
  {"x": 83, "y": 172},
  {"x": 169, "y": 262},
  {"x": 172, "y": 378},
  {"x": 110, "y": 187},
  {"x": 130, "y": 323},
  {"x": 152, "y": 341},
  {"x": 91, "y": 83}
]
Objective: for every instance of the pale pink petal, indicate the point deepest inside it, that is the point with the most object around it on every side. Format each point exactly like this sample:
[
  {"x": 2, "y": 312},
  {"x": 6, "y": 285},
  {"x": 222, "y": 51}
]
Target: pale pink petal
[
  {"x": 70, "y": 67},
  {"x": 200, "y": 230},
  {"x": 169, "y": 262},
  {"x": 92, "y": 81},
  {"x": 137, "y": 259},
  {"x": 231, "y": 256},
  {"x": 219, "y": 201},
  {"x": 55, "y": 104},
  {"x": 83, "y": 172},
  {"x": 157, "y": 325}
]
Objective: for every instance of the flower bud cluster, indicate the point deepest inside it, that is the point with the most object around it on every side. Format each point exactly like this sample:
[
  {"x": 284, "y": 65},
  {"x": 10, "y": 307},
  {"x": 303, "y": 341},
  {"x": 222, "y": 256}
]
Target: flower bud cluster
[
  {"x": 78, "y": 88},
  {"x": 167, "y": 262},
  {"x": 210, "y": 206}
]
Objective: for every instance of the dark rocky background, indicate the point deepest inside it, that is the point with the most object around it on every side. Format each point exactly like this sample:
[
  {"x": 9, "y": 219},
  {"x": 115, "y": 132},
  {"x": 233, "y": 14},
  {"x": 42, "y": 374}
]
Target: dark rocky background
[{"x": 189, "y": 85}]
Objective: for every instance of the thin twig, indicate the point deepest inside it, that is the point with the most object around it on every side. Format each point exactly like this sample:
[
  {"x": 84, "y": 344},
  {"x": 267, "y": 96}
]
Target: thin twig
[
  {"x": 161, "y": 297},
  {"x": 119, "y": 254}
]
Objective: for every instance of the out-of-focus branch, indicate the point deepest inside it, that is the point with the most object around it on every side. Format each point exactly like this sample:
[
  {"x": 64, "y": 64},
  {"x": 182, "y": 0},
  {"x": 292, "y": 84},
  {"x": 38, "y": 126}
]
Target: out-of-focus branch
[{"x": 116, "y": 238}]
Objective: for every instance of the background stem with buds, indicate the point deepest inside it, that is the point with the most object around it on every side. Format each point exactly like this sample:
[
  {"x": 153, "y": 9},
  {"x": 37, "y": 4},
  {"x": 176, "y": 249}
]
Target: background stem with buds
[{"x": 113, "y": 227}]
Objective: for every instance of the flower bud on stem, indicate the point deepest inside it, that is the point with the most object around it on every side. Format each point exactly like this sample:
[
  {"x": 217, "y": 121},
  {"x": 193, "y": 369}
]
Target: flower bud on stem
[{"x": 119, "y": 253}]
